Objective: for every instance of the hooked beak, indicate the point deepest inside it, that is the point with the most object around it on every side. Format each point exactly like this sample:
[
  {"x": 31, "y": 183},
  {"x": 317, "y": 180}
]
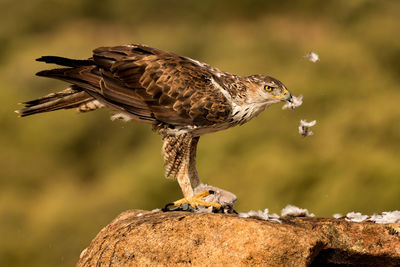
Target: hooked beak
[{"x": 287, "y": 96}]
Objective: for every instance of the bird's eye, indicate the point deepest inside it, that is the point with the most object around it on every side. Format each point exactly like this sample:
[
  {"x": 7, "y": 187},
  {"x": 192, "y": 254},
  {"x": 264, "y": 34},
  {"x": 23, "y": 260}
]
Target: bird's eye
[{"x": 268, "y": 88}]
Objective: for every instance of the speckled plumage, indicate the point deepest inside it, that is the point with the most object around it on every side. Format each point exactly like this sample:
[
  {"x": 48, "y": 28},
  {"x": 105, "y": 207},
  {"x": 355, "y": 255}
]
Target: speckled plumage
[{"x": 182, "y": 98}]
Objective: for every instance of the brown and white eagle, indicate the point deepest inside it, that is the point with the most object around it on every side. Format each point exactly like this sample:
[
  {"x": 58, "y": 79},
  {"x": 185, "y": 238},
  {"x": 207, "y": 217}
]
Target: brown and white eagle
[{"x": 182, "y": 98}]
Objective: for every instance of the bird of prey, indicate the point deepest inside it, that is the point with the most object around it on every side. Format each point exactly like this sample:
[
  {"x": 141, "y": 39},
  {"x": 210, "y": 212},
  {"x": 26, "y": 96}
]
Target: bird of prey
[{"x": 180, "y": 97}]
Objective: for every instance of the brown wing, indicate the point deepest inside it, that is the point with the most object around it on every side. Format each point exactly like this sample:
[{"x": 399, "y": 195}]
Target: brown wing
[
  {"x": 152, "y": 85},
  {"x": 172, "y": 89}
]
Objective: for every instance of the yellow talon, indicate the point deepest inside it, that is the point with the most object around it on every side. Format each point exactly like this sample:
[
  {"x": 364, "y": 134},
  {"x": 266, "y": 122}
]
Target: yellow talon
[{"x": 195, "y": 201}]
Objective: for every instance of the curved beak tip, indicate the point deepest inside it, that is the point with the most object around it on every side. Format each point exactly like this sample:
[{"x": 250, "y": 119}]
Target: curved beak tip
[{"x": 289, "y": 98}]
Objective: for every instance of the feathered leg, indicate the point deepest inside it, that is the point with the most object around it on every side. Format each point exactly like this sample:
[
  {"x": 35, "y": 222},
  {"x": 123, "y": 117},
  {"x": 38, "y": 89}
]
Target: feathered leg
[{"x": 180, "y": 163}]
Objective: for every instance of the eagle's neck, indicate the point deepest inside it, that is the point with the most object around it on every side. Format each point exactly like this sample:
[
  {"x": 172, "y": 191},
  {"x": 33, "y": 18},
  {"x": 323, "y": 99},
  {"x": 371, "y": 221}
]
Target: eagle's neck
[
  {"x": 245, "y": 112},
  {"x": 239, "y": 91}
]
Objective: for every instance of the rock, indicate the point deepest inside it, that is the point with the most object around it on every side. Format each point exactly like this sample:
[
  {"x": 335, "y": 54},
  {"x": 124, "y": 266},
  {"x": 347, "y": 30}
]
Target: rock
[{"x": 143, "y": 238}]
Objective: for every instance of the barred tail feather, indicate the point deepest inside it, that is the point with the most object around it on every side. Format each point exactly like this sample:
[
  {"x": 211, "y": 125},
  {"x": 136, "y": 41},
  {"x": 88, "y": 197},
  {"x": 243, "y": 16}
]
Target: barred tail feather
[{"x": 66, "y": 99}]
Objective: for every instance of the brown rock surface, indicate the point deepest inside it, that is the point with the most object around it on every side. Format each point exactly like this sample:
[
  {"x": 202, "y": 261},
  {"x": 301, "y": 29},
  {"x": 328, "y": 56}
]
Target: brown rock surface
[{"x": 142, "y": 238}]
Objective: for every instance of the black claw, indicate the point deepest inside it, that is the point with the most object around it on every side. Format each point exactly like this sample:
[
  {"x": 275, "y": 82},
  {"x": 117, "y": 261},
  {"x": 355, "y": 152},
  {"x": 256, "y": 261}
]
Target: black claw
[
  {"x": 183, "y": 207},
  {"x": 226, "y": 210},
  {"x": 215, "y": 210},
  {"x": 166, "y": 208}
]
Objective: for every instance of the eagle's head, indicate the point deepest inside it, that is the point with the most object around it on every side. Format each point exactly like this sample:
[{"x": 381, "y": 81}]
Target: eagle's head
[{"x": 268, "y": 90}]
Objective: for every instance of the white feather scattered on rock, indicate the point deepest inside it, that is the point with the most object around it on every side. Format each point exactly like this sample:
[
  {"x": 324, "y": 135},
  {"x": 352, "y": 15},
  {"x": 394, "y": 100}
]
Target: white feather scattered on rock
[
  {"x": 386, "y": 217},
  {"x": 296, "y": 102},
  {"x": 290, "y": 210},
  {"x": 311, "y": 56},
  {"x": 261, "y": 215},
  {"x": 294, "y": 211},
  {"x": 355, "y": 217},
  {"x": 304, "y": 128}
]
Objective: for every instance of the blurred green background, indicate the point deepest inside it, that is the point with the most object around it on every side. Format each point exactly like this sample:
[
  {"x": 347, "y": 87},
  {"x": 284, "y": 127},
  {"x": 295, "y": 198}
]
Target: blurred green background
[{"x": 63, "y": 175}]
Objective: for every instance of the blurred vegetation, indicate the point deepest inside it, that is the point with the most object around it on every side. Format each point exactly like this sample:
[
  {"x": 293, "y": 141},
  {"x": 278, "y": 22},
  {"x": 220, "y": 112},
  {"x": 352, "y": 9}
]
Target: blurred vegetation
[{"x": 63, "y": 176}]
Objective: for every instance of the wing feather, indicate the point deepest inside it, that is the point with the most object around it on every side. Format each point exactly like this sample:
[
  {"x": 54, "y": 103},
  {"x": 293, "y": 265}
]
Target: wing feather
[{"x": 151, "y": 84}]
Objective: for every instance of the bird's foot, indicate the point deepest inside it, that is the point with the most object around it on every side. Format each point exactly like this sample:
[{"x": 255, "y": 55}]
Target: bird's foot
[
  {"x": 207, "y": 199},
  {"x": 194, "y": 203}
]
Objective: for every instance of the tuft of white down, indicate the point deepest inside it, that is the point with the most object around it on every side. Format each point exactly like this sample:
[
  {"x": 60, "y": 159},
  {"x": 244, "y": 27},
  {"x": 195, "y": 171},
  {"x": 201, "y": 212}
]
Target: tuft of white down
[
  {"x": 312, "y": 56},
  {"x": 121, "y": 116},
  {"x": 297, "y": 101},
  {"x": 261, "y": 215},
  {"x": 304, "y": 128},
  {"x": 294, "y": 211},
  {"x": 355, "y": 217},
  {"x": 386, "y": 217},
  {"x": 89, "y": 106}
]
